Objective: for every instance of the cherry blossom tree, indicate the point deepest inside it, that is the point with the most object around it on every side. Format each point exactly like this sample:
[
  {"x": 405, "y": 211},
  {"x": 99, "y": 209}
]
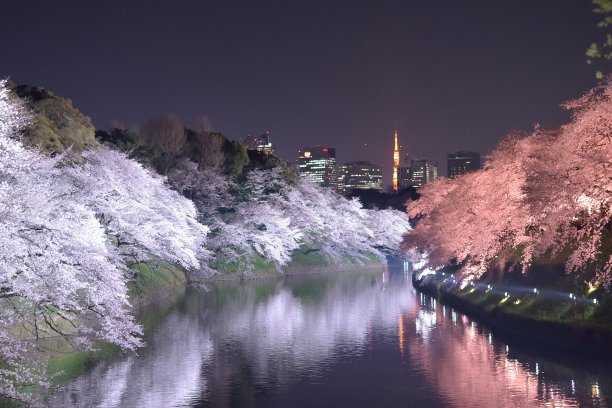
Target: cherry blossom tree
[
  {"x": 478, "y": 218},
  {"x": 264, "y": 215},
  {"x": 338, "y": 227},
  {"x": 388, "y": 228},
  {"x": 240, "y": 228},
  {"x": 139, "y": 211},
  {"x": 59, "y": 275},
  {"x": 548, "y": 192},
  {"x": 570, "y": 184},
  {"x": 207, "y": 188}
]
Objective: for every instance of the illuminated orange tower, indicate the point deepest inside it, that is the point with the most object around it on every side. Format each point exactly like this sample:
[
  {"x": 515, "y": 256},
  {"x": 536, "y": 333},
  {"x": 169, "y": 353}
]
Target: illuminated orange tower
[{"x": 396, "y": 162}]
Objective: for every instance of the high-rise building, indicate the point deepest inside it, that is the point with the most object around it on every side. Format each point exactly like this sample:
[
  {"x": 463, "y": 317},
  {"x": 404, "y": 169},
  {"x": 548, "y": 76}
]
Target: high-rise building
[
  {"x": 342, "y": 170},
  {"x": 318, "y": 165},
  {"x": 265, "y": 144},
  {"x": 404, "y": 175},
  {"x": 360, "y": 175},
  {"x": 261, "y": 143},
  {"x": 462, "y": 162},
  {"x": 422, "y": 171},
  {"x": 396, "y": 162},
  {"x": 417, "y": 172}
]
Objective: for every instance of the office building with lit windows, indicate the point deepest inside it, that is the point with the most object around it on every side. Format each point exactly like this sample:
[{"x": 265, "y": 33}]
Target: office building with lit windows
[
  {"x": 360, "y": 175},
  {"x": 403, "y": 177},
  {"x": 461, "y": 163},
  {"x": 261, "y": 143},
  {"x": 318, "y": 165},
  {"x": 417, "y": 173},
  {"x": 422, "y": 171}
]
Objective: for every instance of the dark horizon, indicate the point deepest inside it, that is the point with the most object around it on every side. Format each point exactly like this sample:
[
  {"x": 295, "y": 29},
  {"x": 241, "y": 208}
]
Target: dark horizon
[{"x": 453, "y": 76}]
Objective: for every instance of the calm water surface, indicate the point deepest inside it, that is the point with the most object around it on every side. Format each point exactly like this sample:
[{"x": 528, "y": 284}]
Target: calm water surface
[{"x": 362, "y": 339}]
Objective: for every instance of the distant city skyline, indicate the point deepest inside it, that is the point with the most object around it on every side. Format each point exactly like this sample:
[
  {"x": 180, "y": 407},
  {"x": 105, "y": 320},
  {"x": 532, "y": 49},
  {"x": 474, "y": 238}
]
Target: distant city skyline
[
  {"x": 414, "y": 171},
  {"x": 452, "y": 75}
]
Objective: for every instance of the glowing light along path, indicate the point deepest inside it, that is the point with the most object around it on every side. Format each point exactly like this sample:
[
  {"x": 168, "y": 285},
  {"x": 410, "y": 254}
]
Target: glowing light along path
[{"x": 449, "y": 281}]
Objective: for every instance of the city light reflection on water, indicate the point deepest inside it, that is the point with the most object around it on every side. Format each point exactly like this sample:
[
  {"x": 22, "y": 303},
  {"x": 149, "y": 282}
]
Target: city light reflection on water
[{"x": 352, "y": 339}]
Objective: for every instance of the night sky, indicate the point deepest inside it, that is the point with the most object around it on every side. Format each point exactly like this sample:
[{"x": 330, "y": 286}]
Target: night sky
[{"x": 452, "y": 74}]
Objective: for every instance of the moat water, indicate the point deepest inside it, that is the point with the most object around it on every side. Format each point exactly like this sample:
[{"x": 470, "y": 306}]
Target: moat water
[{"x": 346, "y": 339}]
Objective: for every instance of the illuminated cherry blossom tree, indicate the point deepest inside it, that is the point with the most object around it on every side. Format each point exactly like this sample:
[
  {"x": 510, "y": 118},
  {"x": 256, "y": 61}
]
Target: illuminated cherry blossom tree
[
  {"x": 541, "y": 194},
  {"x": 266, "y": 216},
  {"x": 479, "y": 218},
  {"x": 59, "y": 275},
  {"x": 240, "y": 228},
  {"x": 337, "y": 227},
  {"x": 139, "y": 211},
  {"x": 570, "y": 184}
]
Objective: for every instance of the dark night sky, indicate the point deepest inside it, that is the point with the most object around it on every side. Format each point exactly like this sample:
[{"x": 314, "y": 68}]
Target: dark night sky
[{"x": 452, "y": 74}]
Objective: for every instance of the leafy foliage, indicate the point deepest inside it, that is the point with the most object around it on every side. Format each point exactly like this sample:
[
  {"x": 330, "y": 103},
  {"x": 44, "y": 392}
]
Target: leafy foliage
[
  {"x": 236, "y": 157},
  {"x": 263, "y": 161},
  {"x": 166, "y": 136},
  {"x": 56, "y": 125},
  {"x": 601, "y": 52},
  {"x": 124, "y": 140}
]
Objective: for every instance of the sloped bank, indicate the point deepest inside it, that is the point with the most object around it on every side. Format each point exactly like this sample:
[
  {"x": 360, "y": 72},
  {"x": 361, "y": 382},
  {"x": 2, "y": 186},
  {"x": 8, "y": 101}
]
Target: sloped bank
[
  {"x": 302, "y": 263},
  {"x": 158, "y": 278},
  {"x": 527, "y": 318}
]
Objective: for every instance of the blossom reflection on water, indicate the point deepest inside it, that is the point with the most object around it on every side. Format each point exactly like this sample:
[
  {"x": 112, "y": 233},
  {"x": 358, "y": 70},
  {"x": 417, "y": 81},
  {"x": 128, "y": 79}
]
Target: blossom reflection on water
[
  {"x": 348, "y": 338},
  {"x": 470, "y": 369}
]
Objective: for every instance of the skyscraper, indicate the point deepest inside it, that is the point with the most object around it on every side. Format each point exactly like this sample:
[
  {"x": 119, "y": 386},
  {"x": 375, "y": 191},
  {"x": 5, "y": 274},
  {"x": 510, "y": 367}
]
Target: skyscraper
[
  {"x": 261, "y": 143},
  {"x": 361, "y": 175},
  {"x": 462, "y": 162},
  {"x": 422, "y": 171},
  {"x": 396, "y": 162},
  {"x": 265, "y": 144},
  {"x": 404, "y": 179},
  {"x": 318, "y": 165},
  {"x": 417, "y": 172},
  {"x": 404, "y": 174}
]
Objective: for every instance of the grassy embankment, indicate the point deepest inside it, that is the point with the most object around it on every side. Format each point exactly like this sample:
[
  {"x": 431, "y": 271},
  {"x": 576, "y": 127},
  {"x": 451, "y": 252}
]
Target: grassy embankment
[
  {"x": 545, "y": 305},
  {"x": 151, "y": 280},
  {"x": 306, "y": 259}
]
